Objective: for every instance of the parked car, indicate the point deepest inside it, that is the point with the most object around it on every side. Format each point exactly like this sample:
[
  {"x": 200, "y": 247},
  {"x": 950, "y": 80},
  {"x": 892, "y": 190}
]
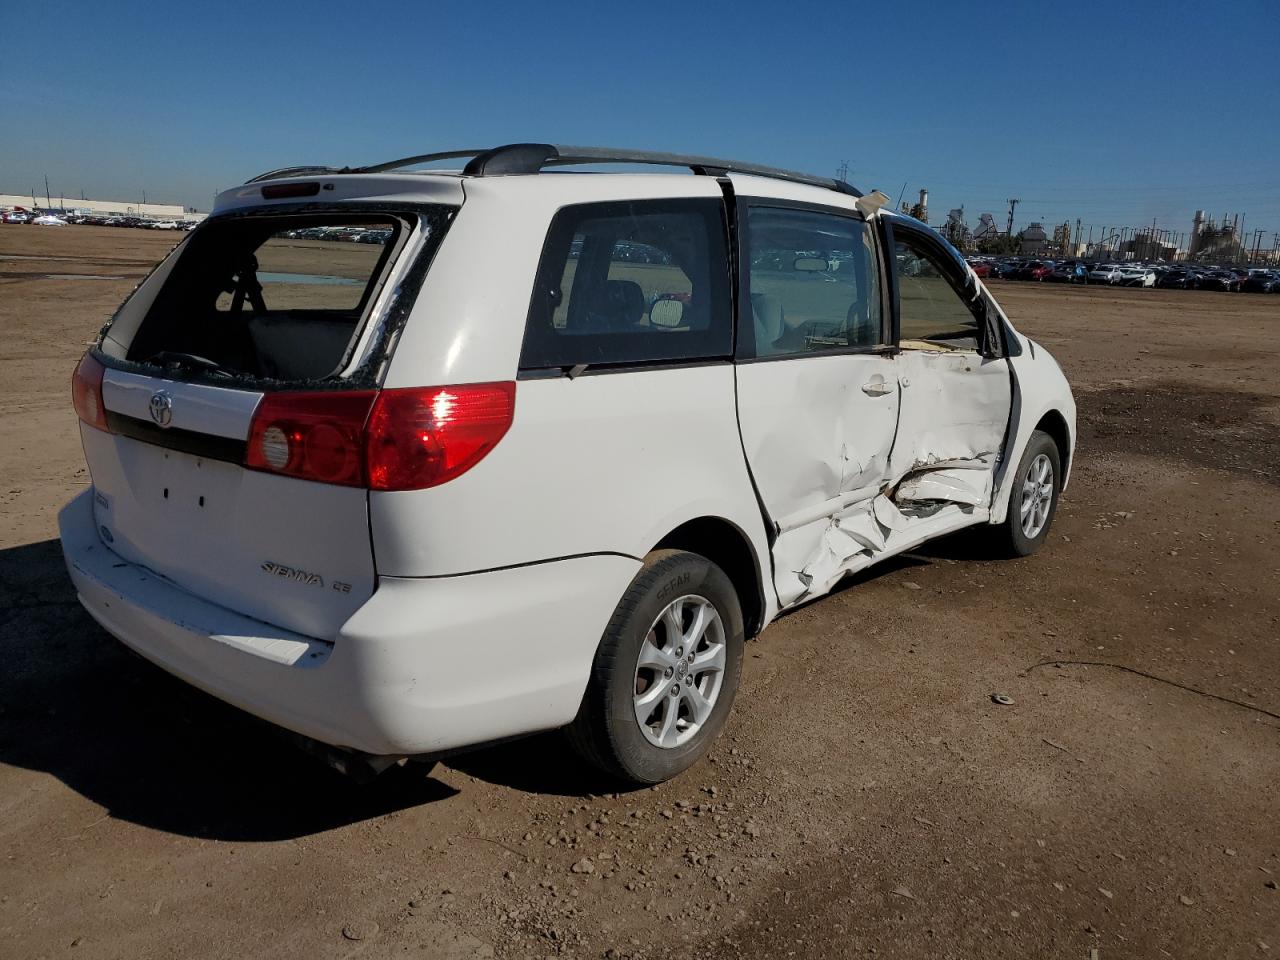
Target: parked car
[
  {"x": 1136, "y": 275},
  {"x": 1261, "y": 281},
  {"x": 165, "y": 225},
  {"x": 48, "y": 220},
  {"x": 1034, "y": 270},
  {"x": 1176, "y": 278},
  {"x": 1008, "y": 269},
  {"x": 438, "y": 508},
  {"x": 1071, "y": 272},
  {"x": 14, "y": 216},
  {"x": 1105, "y": 273},
  {"x": 980, "y": 268},
  {"x": 1223, "y": 280}
]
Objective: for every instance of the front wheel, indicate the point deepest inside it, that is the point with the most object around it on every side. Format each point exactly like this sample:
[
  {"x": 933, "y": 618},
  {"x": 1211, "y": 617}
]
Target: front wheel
[
  {"x": 665, "y": 673},
  {"x": 1034, "y": 500}
]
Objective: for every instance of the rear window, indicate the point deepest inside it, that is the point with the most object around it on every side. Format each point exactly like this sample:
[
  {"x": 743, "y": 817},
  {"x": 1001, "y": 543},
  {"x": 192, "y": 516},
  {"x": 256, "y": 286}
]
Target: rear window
[
  {"x": 277, "y": 298},
  {"x": 631, "y": 283}
]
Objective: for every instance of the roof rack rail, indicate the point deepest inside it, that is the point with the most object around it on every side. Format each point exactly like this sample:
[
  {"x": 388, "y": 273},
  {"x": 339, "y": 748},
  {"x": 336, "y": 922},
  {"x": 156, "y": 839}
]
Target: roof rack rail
[
  {"x": 523, "y": 158},
  {"x": 420, "y": 158}
]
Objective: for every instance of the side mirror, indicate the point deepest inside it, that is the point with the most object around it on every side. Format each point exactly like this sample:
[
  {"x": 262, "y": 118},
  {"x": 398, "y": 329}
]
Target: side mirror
[
  {"x": 666, "y": 312},
  {"x": 810, "y": 265}
]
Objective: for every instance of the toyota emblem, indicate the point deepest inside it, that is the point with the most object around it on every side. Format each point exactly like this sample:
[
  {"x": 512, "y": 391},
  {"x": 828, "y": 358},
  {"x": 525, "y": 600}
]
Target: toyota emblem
[{"x": 161, "y": 408}]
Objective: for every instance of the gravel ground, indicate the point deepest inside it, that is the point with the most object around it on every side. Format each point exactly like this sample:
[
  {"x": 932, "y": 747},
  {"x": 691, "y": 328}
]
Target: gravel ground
[{"x": 868, "y": 797}]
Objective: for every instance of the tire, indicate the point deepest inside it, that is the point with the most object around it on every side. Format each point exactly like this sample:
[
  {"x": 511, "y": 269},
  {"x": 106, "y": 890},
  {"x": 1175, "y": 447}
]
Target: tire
[
  {"x": 1012, "y": 538},
  {"x": 607, "y": 731}
]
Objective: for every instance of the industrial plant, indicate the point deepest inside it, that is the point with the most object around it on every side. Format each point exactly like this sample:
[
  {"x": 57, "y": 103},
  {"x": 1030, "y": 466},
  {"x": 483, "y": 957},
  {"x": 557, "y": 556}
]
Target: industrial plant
[{"x": 1208, "y": 241}]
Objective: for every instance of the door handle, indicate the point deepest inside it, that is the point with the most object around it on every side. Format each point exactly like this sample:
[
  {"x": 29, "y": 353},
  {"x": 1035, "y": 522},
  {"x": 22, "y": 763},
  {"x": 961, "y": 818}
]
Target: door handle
[{"x": 876, "y": 388}]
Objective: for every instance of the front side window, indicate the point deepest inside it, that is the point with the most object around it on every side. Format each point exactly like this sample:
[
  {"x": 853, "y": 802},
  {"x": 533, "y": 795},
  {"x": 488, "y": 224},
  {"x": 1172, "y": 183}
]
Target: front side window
[
  {"x": 812, "y": 283},
  {"x": 932, "y": 315},
  {"x": 631, "y": 283}
]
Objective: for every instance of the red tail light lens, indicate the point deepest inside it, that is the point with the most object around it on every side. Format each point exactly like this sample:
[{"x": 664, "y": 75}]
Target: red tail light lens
[
  {"x": 418, "y": 438},
  {"x": 313, "y": 436},
  {"x": 86, "y": 392},
  {"x": 386, "y": 440}
]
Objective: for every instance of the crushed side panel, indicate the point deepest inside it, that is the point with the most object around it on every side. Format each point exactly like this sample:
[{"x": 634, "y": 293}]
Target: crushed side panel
[{"x": 954, "y": 415}]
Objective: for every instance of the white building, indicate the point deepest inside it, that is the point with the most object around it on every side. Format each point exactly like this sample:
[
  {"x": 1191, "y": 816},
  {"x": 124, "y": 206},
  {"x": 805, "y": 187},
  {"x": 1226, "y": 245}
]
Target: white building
[{"x": 123, "y": 208}]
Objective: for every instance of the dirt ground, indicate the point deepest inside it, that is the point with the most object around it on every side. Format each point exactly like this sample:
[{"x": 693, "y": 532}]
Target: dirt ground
[{"x": 868, "y": 798}]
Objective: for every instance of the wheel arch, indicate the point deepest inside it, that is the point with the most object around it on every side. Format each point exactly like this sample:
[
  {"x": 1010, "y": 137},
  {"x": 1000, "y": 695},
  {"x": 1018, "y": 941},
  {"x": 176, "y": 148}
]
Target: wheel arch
[
  {"x": 725, "y": 544},
  {"x": 1055, "y": 425}
]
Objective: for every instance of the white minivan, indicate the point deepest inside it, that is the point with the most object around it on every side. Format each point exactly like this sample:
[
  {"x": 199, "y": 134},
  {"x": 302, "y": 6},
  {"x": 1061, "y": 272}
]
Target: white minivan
[{"x": 544, "y": 451}]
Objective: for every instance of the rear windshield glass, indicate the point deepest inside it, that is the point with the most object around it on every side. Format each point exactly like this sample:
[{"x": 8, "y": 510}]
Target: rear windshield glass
[
  {"x": 279, "y": 298},
  {"x": 629, "y": 283}
]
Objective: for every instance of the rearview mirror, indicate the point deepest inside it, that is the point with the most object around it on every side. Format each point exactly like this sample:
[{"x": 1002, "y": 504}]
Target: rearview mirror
[{"x": 810, "y": 265}]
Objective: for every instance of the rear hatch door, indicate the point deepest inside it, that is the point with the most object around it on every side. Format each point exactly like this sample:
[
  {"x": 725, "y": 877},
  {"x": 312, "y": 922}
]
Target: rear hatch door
[
  {"x": 176, "y": 500},
  {"x": 253, "y": 303}
]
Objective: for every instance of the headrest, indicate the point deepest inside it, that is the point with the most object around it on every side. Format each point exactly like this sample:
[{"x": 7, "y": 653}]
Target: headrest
[{"x": 618, "y": 303}]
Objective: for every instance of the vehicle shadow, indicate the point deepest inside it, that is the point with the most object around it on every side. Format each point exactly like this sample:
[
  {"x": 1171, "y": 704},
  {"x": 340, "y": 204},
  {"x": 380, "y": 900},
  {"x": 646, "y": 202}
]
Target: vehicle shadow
[
  {"x": 544, "y": 764},
  {"x": 147, "y": 747}
]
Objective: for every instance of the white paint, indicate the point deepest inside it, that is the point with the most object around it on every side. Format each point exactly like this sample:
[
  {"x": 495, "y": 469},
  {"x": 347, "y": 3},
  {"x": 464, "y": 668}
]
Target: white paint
[
  {"x": 814, "y": 440},
  {"x": 197, "y": 407},
  {"x": 607, "y": 462},
  {"x": 496, "y": 654},
  {"x": 216, "y": 549}
]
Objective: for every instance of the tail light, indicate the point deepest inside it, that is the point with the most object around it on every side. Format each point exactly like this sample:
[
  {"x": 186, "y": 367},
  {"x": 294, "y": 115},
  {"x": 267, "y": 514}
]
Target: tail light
[
  {"x": 86, "y": 392},
  {"x": 423, "y": 438},
  {"x": 314, "y": 436},
  {"x": 406, "y": 439}
]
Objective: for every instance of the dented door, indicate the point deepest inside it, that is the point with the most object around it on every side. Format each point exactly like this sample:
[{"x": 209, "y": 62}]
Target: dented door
[
  {"x": 955, "y": 385},
  {"x": 817, "y": 391},
  {"x": 817, "y": 432}
]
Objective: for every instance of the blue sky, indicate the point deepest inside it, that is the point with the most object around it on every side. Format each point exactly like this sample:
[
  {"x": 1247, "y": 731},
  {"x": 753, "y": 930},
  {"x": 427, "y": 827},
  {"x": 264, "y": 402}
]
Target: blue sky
[{"x": 1114, "y": 113}]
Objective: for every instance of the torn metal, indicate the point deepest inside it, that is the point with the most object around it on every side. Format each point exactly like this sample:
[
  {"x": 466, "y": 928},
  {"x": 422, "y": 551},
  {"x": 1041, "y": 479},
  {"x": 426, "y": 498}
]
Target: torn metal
[{"x": 864, "y": 490}]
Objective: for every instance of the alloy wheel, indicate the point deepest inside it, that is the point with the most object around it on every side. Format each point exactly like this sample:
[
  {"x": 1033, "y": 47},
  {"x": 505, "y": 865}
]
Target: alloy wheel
[
  {"x": 1037, "y": 496},
  {"x": 679, "y": 671}
]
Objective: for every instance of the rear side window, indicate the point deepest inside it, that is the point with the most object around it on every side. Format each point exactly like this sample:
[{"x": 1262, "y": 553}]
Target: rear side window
[{"x": 631, "y": 283}]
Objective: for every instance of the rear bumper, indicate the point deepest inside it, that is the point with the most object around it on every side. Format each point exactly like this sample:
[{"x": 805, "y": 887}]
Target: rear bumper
[{"x": 426, "y": 665}]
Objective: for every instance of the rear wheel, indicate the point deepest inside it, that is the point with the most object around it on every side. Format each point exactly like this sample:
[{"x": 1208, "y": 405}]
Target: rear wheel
[
  {"x": 1034, "y": 500},
  {"x": 665, "y": 673}
]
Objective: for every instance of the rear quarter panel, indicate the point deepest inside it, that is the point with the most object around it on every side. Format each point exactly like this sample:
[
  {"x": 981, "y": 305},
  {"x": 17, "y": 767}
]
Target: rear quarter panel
[{"x": 599, "y": 464}]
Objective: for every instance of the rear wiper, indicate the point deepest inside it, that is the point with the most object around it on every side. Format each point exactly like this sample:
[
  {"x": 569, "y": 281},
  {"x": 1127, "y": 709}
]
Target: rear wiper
[{"x": 174, "y": 359}]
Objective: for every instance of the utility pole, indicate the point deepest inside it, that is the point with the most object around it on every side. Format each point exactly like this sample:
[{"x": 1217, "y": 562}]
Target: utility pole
[
  {"x": 1012, "y": 205},
  {"x": 47, "y": 199}
]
